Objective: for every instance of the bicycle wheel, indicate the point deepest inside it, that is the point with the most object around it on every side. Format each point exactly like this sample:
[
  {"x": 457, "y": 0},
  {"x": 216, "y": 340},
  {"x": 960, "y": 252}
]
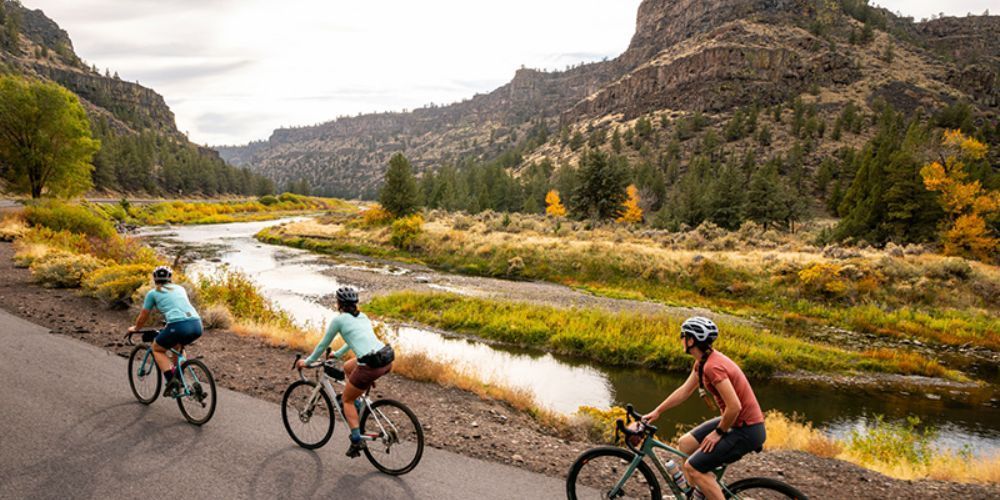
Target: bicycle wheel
[
  {"x": 197, "y": 404},
  {"x": 310, "y": 426},
  {"x": 400, "y": 438},
  {"x": 763, "y": 488},
  {"x": 596, "y": 472},
  {"x": 143, "y": 375}
]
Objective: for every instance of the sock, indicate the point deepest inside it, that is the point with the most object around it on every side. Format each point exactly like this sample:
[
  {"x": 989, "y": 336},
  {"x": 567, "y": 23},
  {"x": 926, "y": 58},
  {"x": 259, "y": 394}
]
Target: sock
[
  {"x": 355, "y": 435},
  {"x": 168, "y": 375}
]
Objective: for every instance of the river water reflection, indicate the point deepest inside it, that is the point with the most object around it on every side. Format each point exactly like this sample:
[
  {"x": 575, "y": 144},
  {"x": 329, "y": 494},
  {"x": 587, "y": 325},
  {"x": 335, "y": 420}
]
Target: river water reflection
[{"x": 296, "y": 280}]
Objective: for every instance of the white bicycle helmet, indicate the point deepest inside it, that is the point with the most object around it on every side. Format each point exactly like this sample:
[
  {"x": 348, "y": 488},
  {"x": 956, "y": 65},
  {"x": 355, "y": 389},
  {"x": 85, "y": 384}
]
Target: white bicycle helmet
[{"x": 702, "y": 330}]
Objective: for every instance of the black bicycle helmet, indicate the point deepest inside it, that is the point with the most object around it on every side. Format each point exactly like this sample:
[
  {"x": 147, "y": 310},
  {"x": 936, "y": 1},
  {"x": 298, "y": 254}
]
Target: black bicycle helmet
[
  {"x": 702, "y": 330},
  {"x": 162, "y": 275},
  {"x": 347, "y": 295}
]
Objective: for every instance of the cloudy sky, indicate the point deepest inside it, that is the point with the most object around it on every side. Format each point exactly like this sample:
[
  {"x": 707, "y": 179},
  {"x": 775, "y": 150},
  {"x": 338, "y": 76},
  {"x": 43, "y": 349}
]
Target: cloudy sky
[{"x": 234, "y": 70}]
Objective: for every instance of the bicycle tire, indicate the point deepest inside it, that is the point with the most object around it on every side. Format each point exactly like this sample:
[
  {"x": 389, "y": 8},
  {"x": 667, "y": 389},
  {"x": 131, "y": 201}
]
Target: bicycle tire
[
  {"x": 140, "y": 350},
  {"x": 208, "y": 381},
  {"x": 284, "y": 415},
  {"x": 380, "y": 406},
  {"x": 765, "y": 483},
  {"x": 609, "y": 451}
]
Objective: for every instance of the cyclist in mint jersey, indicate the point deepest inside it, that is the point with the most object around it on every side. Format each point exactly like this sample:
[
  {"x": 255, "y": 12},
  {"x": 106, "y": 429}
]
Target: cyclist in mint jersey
[
  {"x": 372, "y": 360},
  {"x": 183, "y": 323}
]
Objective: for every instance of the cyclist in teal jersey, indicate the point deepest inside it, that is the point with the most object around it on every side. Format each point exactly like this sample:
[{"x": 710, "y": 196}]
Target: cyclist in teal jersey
[
  {"x": 183, "y": 323},
  {"x": 372, "y": 360}
]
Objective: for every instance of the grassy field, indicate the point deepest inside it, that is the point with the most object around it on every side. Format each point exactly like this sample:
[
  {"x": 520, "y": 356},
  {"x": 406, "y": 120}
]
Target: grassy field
[
  {"x": 897, "y": 293},
  {"x": 628, "y": 339},
  {"x": 210, "y": 212}
]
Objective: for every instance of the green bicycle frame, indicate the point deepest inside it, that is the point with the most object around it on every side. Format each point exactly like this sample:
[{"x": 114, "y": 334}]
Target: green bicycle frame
[{"x": 648, "y": 445}]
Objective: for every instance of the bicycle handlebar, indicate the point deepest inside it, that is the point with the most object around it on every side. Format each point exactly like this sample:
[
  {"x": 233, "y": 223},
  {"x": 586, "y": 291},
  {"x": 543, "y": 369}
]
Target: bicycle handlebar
[
  {"x": 621, "y": 427},
  {"x": 128, "y": 335}
]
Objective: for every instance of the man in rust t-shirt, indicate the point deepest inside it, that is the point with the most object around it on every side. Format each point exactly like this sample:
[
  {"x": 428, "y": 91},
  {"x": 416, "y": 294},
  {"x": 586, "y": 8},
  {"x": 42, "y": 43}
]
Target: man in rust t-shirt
[{"x": 724, "y": 439}]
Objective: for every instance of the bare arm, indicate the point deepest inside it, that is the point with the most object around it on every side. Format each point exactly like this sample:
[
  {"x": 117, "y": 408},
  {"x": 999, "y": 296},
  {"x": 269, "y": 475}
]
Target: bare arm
[
  {"x": 141, "y": 320},
  {"x": 733, "y": 406},
  {"x": 675, "y": 398}
]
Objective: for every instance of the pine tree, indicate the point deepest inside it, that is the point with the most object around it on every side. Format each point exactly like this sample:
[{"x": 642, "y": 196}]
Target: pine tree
[
  {"x": 884, "y": 201},
  {"x": 764, "y": 197},
  {"x": 601, "y": 189},
  {"x": 399, "y": 193}
]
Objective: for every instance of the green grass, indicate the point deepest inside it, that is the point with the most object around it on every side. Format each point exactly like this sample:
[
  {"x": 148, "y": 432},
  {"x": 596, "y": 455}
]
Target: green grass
[
  {"x": 939, "y": 302},
  {"x": 635, "y": 339},
  {"x": 219, "y": 212}
]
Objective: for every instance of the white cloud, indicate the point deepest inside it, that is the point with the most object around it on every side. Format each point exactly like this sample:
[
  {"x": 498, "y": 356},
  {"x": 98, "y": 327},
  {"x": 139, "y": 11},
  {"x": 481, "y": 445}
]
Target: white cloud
[{"x": 233, "y": 70}]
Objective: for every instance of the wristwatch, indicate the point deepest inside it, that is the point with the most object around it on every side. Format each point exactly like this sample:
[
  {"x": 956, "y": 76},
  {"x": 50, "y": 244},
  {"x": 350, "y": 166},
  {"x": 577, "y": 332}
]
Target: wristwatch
[{"x": 719, "y": 431}]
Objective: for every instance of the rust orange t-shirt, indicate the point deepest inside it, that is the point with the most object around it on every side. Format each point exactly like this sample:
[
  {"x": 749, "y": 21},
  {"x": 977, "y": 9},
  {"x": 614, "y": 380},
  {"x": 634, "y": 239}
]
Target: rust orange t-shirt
[{"x": 718, "y": 368}]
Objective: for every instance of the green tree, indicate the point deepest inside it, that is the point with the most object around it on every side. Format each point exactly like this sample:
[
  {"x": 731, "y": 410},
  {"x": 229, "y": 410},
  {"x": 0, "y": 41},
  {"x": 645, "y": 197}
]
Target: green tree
[
  {"x": 886, "y": 199},
  {"x": 601, "y": 189},
  {"x": 765, "y": 203},
  {"x": 399, "y": 193},
  {"x": 45, "y": 139}
]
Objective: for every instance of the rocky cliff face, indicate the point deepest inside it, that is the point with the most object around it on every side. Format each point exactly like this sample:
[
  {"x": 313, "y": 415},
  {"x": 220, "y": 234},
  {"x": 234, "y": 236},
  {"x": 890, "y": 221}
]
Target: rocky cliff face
[
  {"x": 46, "y": 51},
  {"x": 974, "y": 44},
  {"x": 712, "y": 56}
]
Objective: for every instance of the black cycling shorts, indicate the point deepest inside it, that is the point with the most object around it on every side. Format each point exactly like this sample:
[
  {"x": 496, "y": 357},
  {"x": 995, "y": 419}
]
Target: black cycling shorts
[
  {"x": 181, "y": 332},
  {"x": 732, "y": 446}
]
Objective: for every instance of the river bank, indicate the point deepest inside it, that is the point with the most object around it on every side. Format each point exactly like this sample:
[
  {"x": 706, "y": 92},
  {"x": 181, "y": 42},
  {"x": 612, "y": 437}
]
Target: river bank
[{"x": 454, "y": 419}]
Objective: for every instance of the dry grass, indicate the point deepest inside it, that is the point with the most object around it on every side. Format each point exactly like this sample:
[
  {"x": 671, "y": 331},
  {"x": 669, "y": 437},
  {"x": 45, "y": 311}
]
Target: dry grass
[
  {"x": 792, "y": 433},
  {"x": 12, "y": 227}
]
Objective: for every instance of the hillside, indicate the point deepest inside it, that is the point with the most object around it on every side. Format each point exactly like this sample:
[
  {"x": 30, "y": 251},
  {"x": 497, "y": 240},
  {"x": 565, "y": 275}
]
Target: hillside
[
  {"x": 709, "y": 59},
  {"x": 142, "y": 149}
]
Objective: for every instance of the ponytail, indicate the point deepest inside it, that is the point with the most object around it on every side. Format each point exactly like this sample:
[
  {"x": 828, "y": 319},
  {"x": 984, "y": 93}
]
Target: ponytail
[{"x": 351, "y": 309}]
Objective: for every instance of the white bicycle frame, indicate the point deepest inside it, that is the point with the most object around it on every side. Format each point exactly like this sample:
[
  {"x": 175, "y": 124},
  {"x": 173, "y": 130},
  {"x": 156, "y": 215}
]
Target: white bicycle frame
[{"x": 378, "y": 416}]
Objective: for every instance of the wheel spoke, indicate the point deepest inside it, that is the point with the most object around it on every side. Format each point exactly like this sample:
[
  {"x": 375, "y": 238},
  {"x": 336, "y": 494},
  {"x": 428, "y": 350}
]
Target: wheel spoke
[{"x": 397, "y": 440}]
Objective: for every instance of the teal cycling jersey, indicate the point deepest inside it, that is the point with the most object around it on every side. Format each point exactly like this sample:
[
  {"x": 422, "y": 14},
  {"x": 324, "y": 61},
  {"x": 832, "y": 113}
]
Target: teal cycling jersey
[
  {"x": 172, "y": 301},
  {"x": 358, "y": 334}
]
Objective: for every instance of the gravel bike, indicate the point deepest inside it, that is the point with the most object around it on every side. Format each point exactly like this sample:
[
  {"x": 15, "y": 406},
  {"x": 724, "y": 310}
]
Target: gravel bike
[
  {"x": 195, "y": 397},
  {"x": 610, "y": 471},
  {"x": 394, "y": 438}
]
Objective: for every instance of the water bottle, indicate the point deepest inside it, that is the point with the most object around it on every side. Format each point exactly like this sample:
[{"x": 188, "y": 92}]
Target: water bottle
[{"x": 675, "y": 472}]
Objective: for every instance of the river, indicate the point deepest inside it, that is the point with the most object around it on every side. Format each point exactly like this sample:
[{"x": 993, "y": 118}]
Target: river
[{"x": 296, "y": 280}]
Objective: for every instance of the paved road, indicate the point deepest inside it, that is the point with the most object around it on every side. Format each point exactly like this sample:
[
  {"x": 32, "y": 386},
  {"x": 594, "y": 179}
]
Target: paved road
[{"x": 70, "y": 428}]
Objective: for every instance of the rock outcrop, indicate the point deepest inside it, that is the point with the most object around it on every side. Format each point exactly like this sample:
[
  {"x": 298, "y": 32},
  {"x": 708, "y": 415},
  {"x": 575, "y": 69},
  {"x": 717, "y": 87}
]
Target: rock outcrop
[{"x": 712, "y": 56}]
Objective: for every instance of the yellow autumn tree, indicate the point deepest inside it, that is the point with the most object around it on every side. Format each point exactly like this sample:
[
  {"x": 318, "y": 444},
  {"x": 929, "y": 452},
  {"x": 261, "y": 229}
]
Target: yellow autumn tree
[
  {"x": 967, "y": 204},
  {"x": 553, "y": 205},
  {"x": 631, "y": 213}
]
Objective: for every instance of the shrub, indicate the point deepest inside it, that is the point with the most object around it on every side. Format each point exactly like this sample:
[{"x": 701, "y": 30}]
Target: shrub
[
  {"x": 12, "y": 228},
  {"x": 598, "y": 424},
  {"x": 462, "y": 222},
  {"x": 951, "y": 267},
  {"x": 61, "y": 216},
  {"x": 242, "y": 298},
  {"x": 63, "y": 270},
  {"x": 217, "y": 317},
  {"x": 117, "y": 284},
  {"x": 406, "y": 230},
  {"x": 823, "y": 279},
  {"x": 375, "y": 216},
  {"x": 268, "y": 200},
  {"x": 891, "y": 443},
  {"x": 27, "y": 253}
]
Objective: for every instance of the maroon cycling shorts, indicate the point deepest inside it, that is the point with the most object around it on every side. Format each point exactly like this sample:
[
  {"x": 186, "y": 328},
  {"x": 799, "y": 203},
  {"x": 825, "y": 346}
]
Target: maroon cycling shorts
[{"x": 363, "y": 376}]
